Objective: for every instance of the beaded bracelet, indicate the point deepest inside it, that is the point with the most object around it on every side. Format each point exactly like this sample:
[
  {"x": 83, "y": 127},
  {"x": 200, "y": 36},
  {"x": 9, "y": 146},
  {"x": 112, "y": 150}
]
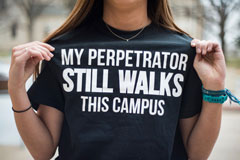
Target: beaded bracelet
[
  {"x": 219, "y": 96},
  {"x": 215, "y": 99}
]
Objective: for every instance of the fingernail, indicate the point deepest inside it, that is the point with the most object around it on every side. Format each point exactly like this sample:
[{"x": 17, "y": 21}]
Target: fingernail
[
  {"x": 193, "y": 44},
  {"x": 53, "y": 48}
]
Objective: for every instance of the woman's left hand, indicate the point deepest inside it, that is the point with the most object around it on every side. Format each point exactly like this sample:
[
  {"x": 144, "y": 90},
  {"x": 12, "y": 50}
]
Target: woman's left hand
[{"x": 210, "y": 64}]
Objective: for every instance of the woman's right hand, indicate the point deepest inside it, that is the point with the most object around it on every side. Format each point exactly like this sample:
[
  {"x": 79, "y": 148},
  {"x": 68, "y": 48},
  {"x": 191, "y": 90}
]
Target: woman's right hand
[{"x": 23, "y": 61}]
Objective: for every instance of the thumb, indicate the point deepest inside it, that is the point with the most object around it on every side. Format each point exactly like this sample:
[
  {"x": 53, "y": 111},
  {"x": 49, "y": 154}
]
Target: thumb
[{"x": 198, "y": 57}]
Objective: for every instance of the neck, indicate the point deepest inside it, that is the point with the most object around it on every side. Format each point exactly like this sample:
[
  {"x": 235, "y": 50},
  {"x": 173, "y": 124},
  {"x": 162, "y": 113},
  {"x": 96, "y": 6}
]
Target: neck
[{"x": 132, "y": 17}]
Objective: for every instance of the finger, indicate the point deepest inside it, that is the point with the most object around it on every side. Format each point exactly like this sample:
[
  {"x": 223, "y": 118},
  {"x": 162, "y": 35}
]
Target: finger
[
  {"x": 35, "y": 54},
  {"x": 198, "y": 57},
  {"x": 22, "y": 51},
  {"x": 30, "y": 44},
  {"x": 204, "y": 47},
  {"x": 209, "y": 46},
  {"x": 15, "y": 55},
  {"x": 198, "y": 47},
  {"x": 217, "y": 47},
  {"x": 30, "y": 53},
  {"x": 35, "y": 60},
  {"x": 194, "y": 42},
  {"x": 28, "y": 48},
  {"x": 22, "y": 46},
  {"x": 44, "y": 54},
  {"x": 46, "y": 50},
  {"x": 48, "y": 46},
  {"x": 18, "y": 53}
]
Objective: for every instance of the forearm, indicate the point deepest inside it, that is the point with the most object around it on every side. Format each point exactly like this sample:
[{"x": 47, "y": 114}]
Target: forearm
[
  {"x": 34, "y": 133},
  {"x": 205, "y": 132}
]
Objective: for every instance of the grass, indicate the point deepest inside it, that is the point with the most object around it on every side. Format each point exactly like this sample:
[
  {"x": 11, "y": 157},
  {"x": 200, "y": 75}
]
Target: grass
[
  {"x": 233, "y": 62},
  {"x": 4, "y": 54}
]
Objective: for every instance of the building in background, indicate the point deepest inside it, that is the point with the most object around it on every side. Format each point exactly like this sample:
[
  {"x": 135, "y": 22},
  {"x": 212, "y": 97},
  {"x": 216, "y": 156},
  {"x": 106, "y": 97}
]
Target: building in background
[
  {"x": 187, "y": 15},
  {"x": 13, "y": 23},
  {"x": 14, "y": 31}
]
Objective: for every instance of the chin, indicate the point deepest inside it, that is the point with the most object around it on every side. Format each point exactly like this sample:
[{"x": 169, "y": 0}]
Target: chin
[{"x": 124, "y": 3}]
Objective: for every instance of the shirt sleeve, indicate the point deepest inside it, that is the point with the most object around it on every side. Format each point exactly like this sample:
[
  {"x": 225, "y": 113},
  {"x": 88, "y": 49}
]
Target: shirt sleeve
[
  {"x": 192, "y": 94},
  {"x": 46, "y": 89}
]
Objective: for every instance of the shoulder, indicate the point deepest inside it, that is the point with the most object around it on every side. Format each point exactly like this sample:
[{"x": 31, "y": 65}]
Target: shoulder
[
  {"x": 169, "y": 37},
  {"x": 174, "y": 42},
  {"x": 173, "y": 37},
  {"x": 72, "y": 36},
  {"x": 182, "y": 42}
]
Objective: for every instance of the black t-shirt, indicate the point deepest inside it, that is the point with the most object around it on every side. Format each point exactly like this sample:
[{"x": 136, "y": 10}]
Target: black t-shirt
[{"x": 121, "y": 100}]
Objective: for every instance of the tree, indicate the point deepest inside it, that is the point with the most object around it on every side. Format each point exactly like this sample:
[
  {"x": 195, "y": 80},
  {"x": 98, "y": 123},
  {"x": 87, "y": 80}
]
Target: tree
[
  {"x": 32, "y": 10},
  {"x": 238, "y": 42},
  {"x": 238, "y": 38},
  {"x": 3, "y": 5},
  {"x": 189, "y": 12},
  {"x": 222, "y": 9},
  {"x": 3, "y": 10}
]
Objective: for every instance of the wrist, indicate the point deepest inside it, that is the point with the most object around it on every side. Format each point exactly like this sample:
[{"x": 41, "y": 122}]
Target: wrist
[
  {"x": 13, "y": 86},
  {"x": 15, "y": 90},
  {"x": 214, "y": 86}
]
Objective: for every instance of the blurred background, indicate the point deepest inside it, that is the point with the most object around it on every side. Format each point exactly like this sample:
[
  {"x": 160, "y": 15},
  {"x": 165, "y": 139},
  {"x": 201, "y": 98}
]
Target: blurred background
[{"x": 22, "y": 21}]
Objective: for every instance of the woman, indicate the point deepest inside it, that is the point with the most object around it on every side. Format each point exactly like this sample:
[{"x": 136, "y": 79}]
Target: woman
[{"x": 116, "y": 79}]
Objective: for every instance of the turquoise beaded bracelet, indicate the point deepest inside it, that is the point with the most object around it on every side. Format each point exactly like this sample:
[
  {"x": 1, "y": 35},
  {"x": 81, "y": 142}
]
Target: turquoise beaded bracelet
[
  {"x": 219, "y": 96},
  {"x": 215, "y": 99}
]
